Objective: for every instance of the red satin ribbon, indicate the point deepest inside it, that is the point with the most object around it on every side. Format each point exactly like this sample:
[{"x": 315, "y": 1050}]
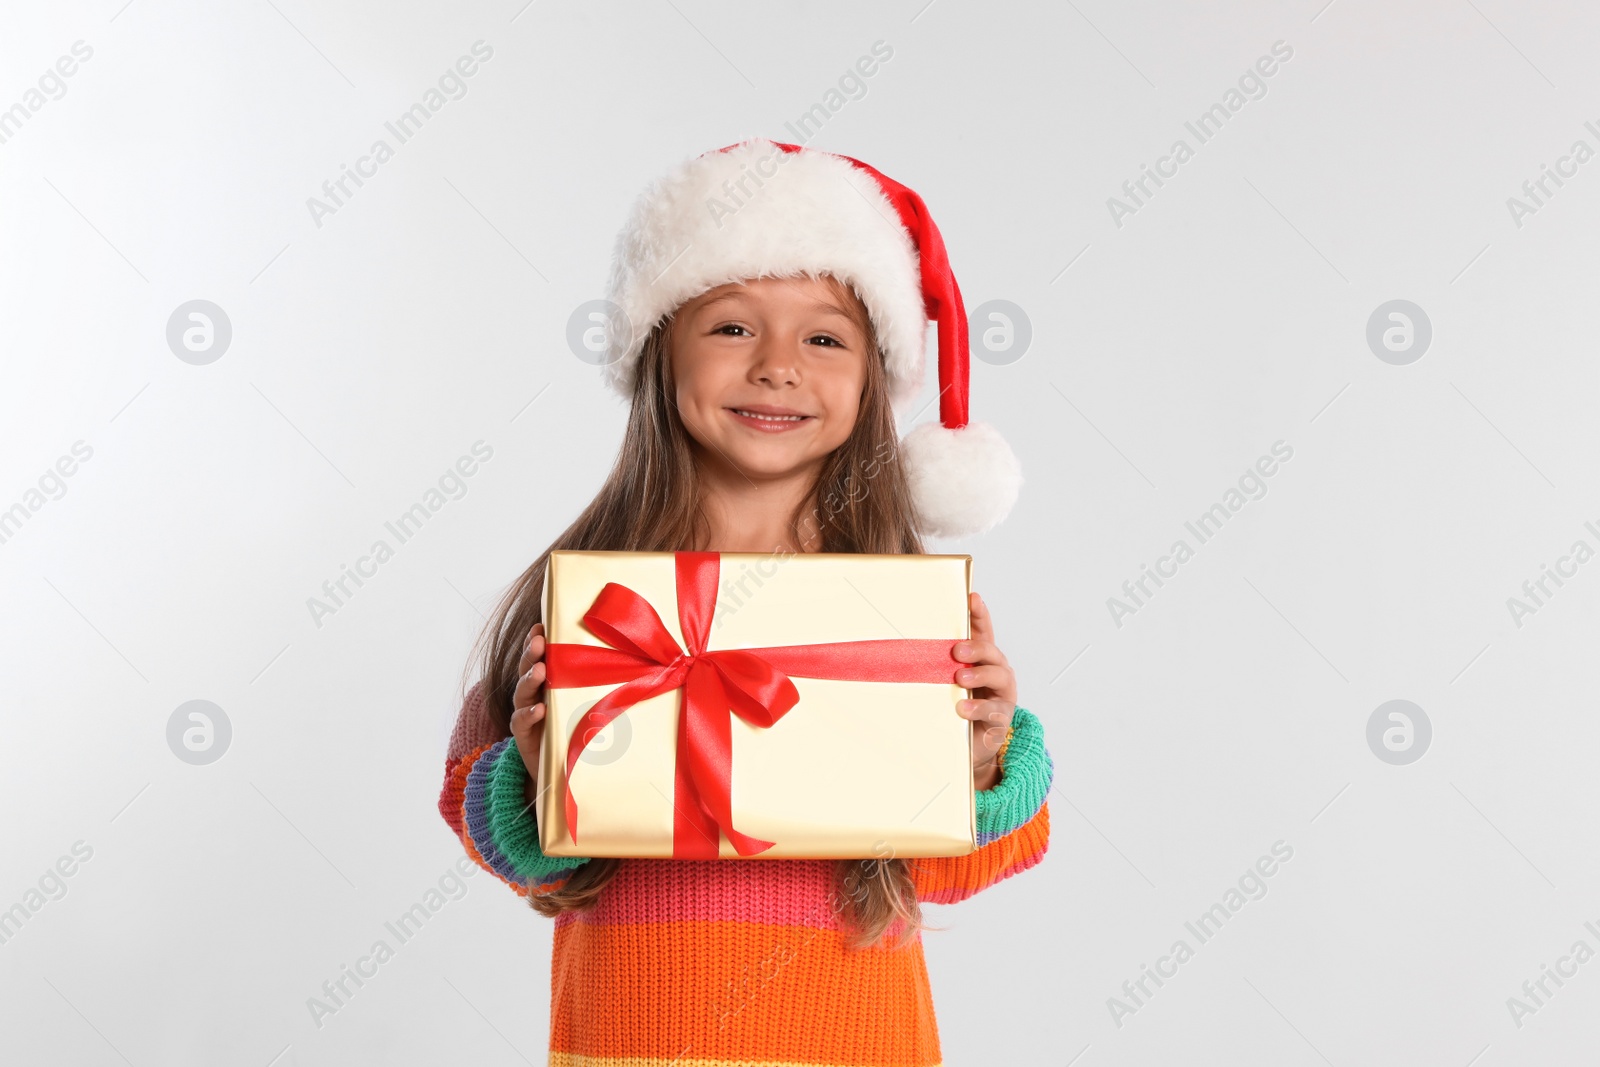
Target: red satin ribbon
[{"x": 753, "y": 683}]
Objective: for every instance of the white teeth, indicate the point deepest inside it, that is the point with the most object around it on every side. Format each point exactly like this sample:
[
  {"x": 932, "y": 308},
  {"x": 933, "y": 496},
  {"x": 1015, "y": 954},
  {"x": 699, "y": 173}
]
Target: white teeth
[{"x": 769, "y": 418}]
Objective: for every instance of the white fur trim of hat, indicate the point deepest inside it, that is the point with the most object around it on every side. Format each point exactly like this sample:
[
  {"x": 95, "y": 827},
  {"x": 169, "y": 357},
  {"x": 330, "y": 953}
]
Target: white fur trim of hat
[{"x": 762, "y": 208}]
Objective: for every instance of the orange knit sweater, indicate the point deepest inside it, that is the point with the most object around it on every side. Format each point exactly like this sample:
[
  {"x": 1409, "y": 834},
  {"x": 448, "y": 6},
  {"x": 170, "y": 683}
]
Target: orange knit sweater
[{"x": 725, "y": 963}]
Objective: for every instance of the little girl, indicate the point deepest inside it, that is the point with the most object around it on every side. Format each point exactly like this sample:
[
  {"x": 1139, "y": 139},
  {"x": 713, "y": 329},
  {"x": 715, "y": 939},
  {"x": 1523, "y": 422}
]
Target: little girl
[{"x": 781, "y": 297}]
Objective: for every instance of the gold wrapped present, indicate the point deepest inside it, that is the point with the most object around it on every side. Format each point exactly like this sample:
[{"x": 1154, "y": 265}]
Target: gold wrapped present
[{"x": 704, "y": 705}]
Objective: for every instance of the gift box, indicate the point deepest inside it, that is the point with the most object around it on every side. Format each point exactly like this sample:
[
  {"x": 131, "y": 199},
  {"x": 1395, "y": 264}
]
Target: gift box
[{"x": 704, "y": 705}]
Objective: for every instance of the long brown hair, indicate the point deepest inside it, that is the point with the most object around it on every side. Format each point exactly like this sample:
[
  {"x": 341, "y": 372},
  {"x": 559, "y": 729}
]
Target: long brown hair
[{"x": 650, "y": 502}]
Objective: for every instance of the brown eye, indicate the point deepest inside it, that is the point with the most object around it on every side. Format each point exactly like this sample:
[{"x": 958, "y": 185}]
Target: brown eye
[{"x": 832, "y": 342}]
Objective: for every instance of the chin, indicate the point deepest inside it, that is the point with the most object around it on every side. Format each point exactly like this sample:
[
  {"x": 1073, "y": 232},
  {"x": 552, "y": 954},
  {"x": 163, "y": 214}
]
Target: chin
[
  {"x": 767, "y": 466},
  {"x": 769, "y": 462}
]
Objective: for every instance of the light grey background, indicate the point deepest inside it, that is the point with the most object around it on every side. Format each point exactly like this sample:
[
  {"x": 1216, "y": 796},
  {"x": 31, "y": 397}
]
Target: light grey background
[{"x": 1167, "y": 354}]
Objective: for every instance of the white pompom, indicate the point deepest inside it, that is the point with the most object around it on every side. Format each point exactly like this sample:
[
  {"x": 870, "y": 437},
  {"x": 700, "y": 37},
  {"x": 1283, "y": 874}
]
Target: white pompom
[{"x": 963, "y": 482}]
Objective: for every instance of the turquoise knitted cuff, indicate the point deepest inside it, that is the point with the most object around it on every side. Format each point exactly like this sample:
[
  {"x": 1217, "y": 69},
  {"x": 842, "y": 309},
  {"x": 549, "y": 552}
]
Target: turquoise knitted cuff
[
  {"x": 1020, "y": 793},
  {"x": 512, "y": 823}
]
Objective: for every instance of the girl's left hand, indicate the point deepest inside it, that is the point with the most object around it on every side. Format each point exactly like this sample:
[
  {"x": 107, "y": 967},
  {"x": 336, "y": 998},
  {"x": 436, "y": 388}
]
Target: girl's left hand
[{"x": 994, "y": 694}]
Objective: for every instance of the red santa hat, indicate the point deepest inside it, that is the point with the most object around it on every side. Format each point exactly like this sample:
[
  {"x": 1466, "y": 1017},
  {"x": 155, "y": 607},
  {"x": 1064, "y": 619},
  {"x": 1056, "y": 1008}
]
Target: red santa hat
[{"x": 761, "y": 208}]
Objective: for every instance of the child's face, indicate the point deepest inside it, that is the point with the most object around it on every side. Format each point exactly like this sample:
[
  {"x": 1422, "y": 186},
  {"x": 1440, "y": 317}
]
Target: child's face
[{"x": 769, "y": 347}]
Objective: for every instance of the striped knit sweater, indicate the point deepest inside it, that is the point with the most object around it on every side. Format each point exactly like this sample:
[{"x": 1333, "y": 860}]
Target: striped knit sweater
[{"x": 728, "y": 963}]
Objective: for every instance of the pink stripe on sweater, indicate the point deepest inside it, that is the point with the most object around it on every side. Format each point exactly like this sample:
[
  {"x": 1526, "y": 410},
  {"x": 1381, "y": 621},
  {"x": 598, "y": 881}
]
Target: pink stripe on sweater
[
  {"x": 656, "y": 891},
  {"x": 473, "y": 727}
]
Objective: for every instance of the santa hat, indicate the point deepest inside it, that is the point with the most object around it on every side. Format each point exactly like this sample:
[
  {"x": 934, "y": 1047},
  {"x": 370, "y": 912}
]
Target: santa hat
[{"x": 766, "y": 209}]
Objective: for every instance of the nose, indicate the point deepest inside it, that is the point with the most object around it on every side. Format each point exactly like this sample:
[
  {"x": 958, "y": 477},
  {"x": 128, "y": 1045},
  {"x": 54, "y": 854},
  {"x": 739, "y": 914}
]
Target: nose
[{"x": 775, "y": 363}]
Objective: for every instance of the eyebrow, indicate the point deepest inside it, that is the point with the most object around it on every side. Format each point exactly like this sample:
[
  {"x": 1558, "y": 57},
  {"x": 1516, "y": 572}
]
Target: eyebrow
[{"x": 815, "y": 305}]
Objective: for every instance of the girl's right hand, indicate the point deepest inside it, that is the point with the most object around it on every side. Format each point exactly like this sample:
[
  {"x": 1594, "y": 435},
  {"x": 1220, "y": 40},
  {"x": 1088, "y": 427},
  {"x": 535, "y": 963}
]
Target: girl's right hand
[{"x": 527, "y": 712}]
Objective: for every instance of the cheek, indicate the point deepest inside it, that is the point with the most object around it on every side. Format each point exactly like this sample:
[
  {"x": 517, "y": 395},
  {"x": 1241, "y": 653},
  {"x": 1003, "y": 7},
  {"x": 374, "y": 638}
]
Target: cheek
[
  {"x": 707, "y": 376},
  {"x": 844, "y": 407},
  {"x": 692, "y": 380}
]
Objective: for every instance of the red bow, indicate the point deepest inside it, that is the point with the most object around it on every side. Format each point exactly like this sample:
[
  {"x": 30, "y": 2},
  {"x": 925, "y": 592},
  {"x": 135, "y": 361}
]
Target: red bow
[{"x": 750, "y": 682}]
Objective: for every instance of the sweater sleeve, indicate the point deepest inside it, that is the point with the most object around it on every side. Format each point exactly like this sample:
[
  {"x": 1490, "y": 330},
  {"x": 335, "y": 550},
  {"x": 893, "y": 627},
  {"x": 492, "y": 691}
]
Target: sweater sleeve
[
  {"x": 484, "y": 804},
  {"x": 1013, "y": 823}
]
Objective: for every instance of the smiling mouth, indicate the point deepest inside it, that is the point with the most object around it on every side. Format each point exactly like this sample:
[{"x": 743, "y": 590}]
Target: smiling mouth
[
  {"x": 768, "y": 418},
  {"x": 768, "y": 421}
]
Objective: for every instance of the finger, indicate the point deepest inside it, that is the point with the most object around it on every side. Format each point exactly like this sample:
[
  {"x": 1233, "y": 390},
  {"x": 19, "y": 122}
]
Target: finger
[
  {"x": 986, "y": 676},
  {"x": 524, "y": 719},
  {"x": 988, "y": 712},
  {"x": 528, "y": 686},
  {"x": 527, "y": 728},
  {"x": 979, "y": 652},
  {"x": 991, "y": 723},
  {"x": 982, "y": 621},
  {"x": 532, "y": 648}
]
